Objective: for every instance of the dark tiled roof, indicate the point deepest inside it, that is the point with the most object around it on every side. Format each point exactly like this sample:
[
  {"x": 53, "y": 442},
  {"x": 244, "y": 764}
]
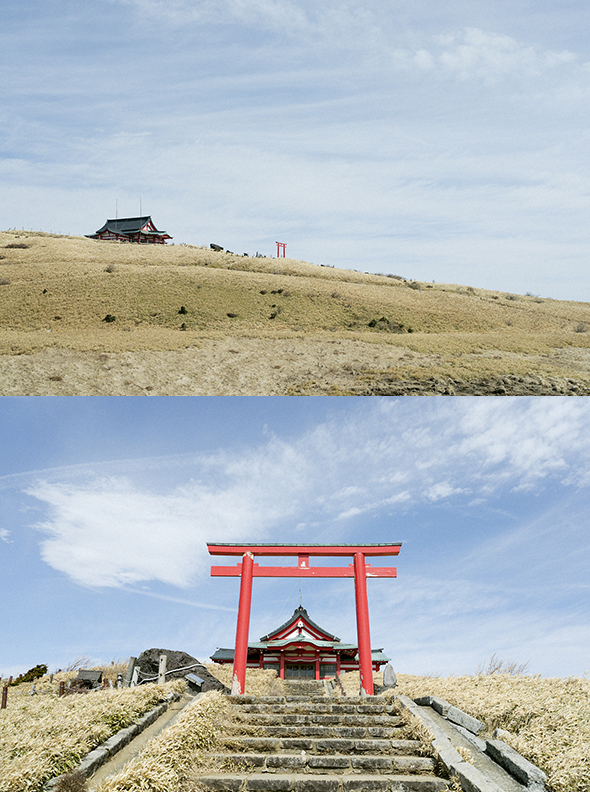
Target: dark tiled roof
[
  {"x": 125, "y": 225},
  {"x": 300, "y": 611},
  {"x": 129, "y": 225},
  {"x": 228, "y": 654}
]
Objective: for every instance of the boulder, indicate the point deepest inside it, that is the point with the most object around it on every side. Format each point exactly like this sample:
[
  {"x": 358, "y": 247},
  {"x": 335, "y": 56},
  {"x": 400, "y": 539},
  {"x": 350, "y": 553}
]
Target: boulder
[{"x": 149, "y": 663}]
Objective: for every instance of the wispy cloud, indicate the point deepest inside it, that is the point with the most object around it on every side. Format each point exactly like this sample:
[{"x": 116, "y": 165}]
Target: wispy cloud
[
  {"x": 116, "y": 530},
  {"x": 474, "y": 54},
  {"x": 181, "y": 601}
]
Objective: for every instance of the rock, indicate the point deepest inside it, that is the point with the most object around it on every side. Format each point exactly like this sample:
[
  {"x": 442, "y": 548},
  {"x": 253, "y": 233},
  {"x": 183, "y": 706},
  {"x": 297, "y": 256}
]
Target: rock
[
  {"x": 389, "y": 677},
  {"x": 149, "y": 663}
]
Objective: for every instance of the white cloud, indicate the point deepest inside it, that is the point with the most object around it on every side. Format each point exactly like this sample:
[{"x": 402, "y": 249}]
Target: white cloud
[
  {"x": 478, "y": 54},
  {"x": 4, "y": 534},
  {"x": 442, "y": 490},
  {"x": 111, "y": 531}
]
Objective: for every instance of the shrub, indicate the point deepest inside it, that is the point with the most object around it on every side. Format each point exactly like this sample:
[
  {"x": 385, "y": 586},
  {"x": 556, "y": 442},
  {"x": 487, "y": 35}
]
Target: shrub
[
  {"x": 33, "y": 673},
  {"x": 4, "y": 281},
  {"x": 580, "y": 328},
  {"x": 110, "y": 268},
  {"x": 72, "y": 782}
]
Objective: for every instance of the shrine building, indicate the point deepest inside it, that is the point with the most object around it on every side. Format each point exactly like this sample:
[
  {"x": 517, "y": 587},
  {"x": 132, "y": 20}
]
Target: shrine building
[
  {"x": 131, "y": 229},
  {"x": 301, "y": 649}
]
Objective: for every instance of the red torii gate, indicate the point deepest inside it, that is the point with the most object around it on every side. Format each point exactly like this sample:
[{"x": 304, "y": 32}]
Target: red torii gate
[{"x": 359, "y": 570}]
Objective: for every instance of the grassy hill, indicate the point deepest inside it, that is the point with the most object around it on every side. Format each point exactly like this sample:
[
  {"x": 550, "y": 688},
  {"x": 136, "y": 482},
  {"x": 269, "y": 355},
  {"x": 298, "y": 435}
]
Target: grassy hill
[{"x": 72, "y": 293}]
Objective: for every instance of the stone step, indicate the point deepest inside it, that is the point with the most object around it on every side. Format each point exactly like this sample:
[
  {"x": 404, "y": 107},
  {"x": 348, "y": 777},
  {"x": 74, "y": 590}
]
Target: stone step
[
  {"x": 335, "y": 763},
  {"x": 337, "y": 719},
  {"x": 293, "y": 782},
  {"x": 246, "y": 699},
  {"x": 379, "y": 708},
  {"x": 323, "y": 745},
  {"x": 348, "y": 732}
]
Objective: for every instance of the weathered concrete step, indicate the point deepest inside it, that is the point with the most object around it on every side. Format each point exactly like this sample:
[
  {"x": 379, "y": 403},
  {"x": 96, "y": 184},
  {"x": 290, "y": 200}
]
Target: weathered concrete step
[
  {"x": 348, "y": 732},
  {"x": 269, "y": 782},
  {"x": 330, "y": 745},
  {"x": 306, "y": 698},
  {"x": 296, "y": 719},
  {"x": 333, "y": 763},
  {"x": 325, "y": 708}
]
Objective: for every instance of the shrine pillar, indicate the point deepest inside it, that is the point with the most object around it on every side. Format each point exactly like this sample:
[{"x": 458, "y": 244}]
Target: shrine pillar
[
  {"x": 241, "y": 653},
  {"x": 362, "y": 624}
]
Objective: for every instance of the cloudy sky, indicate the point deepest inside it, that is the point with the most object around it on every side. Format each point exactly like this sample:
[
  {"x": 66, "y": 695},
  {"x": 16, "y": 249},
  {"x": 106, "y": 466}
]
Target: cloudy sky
[
  {"x": 106, "y": 506},
  {"x": 438, "y": 141}
]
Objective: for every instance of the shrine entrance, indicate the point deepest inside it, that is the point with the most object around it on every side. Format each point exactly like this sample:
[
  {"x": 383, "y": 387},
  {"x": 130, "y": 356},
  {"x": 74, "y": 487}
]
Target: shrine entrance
[
  {"x": 299, "y": 671},
  {"x": 358, "y": 570}
]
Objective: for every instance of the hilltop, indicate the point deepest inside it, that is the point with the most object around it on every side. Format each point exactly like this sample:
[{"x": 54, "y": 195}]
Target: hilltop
[{"x": 96, "y": 318}]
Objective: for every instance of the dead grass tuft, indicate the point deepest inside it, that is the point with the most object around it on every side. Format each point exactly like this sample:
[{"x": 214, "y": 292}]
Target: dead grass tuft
[{"x": 259, "y": 682}]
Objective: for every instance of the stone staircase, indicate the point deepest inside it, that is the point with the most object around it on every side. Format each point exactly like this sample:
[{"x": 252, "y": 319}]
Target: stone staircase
[{"x": 308, "y": 742}]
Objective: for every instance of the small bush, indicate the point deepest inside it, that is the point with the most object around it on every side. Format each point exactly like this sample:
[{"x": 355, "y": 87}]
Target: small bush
[
  {"x": 109, "y": 318},
  {"x": 72, "y": 782},
  {"x": 387, "y": 325},
  {"x": 110, "y": 268},
  {"x": 182, "y": 310},
  {"x": 580, "y": 328},
  {"x": 4, "y": 282},
  {"x": 496, "y": 665},
  {"x": 32, "y": 674},
  {"x": 17, "y": 246}
]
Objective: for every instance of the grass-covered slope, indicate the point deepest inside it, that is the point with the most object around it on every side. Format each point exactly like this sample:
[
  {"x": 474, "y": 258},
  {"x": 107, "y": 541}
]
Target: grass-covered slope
[{"x": 78, "y": 294}]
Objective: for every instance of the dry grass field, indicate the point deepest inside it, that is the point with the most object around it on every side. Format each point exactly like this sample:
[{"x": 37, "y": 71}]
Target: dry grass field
[
  {"x": 97, "y": 318},
  {"x": 546, "y": 720},
  {"x": 42, "y": 736}
]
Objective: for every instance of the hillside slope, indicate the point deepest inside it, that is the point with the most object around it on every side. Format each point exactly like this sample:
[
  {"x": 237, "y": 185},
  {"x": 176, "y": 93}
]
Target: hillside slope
[{"x": 85, "y": 317}]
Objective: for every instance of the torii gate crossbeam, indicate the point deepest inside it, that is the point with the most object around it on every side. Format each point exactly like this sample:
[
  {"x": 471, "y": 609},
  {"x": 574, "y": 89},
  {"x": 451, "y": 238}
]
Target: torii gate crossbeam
[{"x": 359, "y": 570}]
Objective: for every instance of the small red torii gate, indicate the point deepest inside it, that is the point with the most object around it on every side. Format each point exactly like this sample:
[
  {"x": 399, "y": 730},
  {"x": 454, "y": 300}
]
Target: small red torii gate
[{"x": 359, "y": 570}]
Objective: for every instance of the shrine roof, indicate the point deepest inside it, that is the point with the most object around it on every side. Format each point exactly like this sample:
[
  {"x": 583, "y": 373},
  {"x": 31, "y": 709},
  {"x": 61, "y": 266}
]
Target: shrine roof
[
  {"x": 129, "y": 225},
  {"x": 334, "y": 645},
  {"x": 300, "y": 613},
  {"x": 228, "y": 654}
]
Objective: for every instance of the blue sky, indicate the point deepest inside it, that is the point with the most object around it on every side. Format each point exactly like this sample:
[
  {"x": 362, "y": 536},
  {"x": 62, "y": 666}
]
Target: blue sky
[
  {"x": 107, "y": 505},
  {"x": 438, "y": 141}
]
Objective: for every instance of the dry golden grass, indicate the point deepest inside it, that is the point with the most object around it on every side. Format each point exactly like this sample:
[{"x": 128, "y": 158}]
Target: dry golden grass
[
  {"x": 43, "y": 736},
  {"x": 171, "y": 758},
  {"x": 59, "y": 292},
  {"x": 546, "y": 720},
  {"x": 258, "y": 681}
]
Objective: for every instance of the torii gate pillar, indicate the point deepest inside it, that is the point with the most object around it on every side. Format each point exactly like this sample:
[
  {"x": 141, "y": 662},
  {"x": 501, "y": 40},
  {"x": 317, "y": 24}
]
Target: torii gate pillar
[{"x": 247, "y": 569}]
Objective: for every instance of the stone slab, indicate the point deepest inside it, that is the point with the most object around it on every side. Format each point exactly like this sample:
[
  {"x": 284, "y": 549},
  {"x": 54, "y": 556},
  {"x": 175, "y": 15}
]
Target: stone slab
[
  {"x": 523, "y": 770},
  {"x": 463, "y": 719}
]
